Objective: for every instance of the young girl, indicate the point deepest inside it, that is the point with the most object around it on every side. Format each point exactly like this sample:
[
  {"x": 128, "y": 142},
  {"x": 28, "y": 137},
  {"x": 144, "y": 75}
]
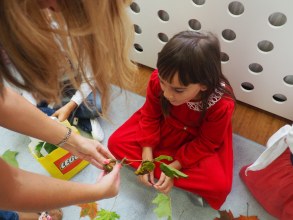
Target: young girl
[{"x": 187, "y": 115}]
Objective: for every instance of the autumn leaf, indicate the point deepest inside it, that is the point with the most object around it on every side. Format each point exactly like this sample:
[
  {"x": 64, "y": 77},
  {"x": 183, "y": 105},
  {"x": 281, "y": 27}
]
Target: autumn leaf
[
  {"x": 241, "y": 217},
  {"x": 171, "y": 172},
  {"x": 145, "y": 168},
  {"x": 10, "y": 157},
  {"x": 89, "y": 209},
  {"x": 224, "y": 215},
  {"x": 164, "y": 208},
  {"x": 107, "y": 215},
  {"x": 108, "y": 167}
]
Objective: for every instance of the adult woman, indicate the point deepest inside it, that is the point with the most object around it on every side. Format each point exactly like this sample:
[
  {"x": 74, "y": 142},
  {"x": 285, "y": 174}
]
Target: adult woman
[{"x": 92, "y": 34}]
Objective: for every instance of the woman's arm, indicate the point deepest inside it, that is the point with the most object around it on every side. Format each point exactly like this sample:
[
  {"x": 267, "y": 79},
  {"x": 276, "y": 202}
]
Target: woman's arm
[
  {"x": 25, "y": 191},
  {"x": 19, "y": 115}
]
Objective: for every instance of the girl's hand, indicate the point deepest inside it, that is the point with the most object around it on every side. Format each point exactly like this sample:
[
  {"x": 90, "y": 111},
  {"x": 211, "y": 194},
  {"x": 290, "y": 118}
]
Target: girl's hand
[
  {"x": 63, "y": 113},
  {"x": 147, "y": 179},
  {"x": 88, "y": 149},
  {"x": 164, "y": 184},
  {"x": 108, "y": 184}
]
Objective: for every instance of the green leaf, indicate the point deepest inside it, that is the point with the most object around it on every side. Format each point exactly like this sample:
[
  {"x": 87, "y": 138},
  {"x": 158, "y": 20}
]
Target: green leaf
[
  {"x": 10, "y": 157},
  {"x": 38, "y": 149},
  {"x": 48, "y": 147},
  {"x": 145, "y": 168},
  {"x": 172, "y": 172},
  {"x": 163, "y": 157},
  {"x": 107, "y": 215},
  {"x": 164, "y": 208}
]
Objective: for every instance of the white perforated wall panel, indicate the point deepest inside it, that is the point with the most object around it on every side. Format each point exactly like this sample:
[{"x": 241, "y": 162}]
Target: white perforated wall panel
[{"x": 256, "y": 40}]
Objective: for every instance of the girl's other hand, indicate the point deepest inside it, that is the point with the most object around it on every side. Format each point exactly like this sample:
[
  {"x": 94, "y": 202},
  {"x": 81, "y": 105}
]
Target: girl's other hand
[
  {"x": 164, "y": 184},
  {"x": 63, "y": 113},
  {"x": 147, "y": 179}
]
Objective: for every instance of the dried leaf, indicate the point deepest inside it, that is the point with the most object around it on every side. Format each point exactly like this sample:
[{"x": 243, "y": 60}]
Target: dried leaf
[
  {"x": 241, "y": 217},
  {"x": 89, "y": 209},
  {"x": 145, "y": 168},
  {"x": 10, "y": 157},
  {"x": 108, "y": 167},
  {"x": 164, "y": 208},
  {"x": 224, "y": 215},
  {"x": 172, "y": 172},
  {"x": 107, "y": 215}
]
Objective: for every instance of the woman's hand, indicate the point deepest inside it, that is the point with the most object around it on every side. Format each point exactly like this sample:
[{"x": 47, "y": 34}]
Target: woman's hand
[
  {"x": 88, "y": 149},
  {"x": 63, "y": 113},
  {"x": 164, "y": 184},
  {"x": 109, "y": 183}
]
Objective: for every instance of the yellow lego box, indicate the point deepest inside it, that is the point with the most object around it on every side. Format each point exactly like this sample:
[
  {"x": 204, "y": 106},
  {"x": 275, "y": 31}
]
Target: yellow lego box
[{"x": 57, "y": 161}]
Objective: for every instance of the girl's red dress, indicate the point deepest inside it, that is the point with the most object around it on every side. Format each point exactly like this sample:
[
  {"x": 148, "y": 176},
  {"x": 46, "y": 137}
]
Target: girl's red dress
[{"x": 204, "y": 151}]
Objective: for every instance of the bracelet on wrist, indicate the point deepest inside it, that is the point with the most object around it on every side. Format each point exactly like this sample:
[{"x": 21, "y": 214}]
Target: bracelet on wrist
[{"x": 65, "y": 139}]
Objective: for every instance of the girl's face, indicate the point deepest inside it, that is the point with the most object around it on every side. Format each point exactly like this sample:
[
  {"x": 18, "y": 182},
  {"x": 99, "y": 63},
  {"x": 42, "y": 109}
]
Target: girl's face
[{"x": 178, "y": 94}]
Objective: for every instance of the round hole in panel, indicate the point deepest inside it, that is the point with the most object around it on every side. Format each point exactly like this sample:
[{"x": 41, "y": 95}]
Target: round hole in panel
[
  {"x": 277, "y": 19},
  {"x": 138, "y": 47},
  {"x": 163, "y": 15},
  {"x": 236, "y": 8},
  {"x": 199, "y": 2},
  {"x": 224, "y": 57},
  {"x": 163, "y": 37},
  {"x": 194, "y": 24},
  {"x": 265, "y": 46},
  {"x": 137, "y": 29},
  {"x": 247, "y": 86},
  {"x": 255, "y": 68},
  {"x": 279, "y": 98},
  {"x": 135, "y": 7},
  {"x": 288, "y": 80},
  {"x": 228, "y": 34}
]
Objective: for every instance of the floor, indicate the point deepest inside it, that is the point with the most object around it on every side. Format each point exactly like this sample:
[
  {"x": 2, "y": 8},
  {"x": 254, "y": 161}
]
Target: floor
[{"x": 134, "y": 200}]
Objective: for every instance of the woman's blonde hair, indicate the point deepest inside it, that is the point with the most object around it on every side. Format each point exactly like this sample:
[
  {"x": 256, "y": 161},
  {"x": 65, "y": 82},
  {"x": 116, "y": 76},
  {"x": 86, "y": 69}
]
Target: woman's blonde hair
[{"x": 91, "y": 33}]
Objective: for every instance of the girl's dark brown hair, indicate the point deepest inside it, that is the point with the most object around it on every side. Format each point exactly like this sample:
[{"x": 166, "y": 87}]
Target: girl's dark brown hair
[{"x": 196, "y": 57}]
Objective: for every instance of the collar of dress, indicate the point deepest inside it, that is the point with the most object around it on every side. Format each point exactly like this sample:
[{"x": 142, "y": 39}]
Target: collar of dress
[{"x": 213, "y": 99}]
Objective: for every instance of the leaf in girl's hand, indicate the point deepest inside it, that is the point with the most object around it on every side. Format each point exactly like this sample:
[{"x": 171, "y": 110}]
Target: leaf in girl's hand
[
  {"x": 89, "y": 209},
  {"x": 145, "y": 168},
  {"x": 163, "y": 157},
  {"x": 10, "y": 157},
  {"x": 107, "y": 215},
  {"x": 171, "y": 172},
  {"x": 164, "y": 208}
]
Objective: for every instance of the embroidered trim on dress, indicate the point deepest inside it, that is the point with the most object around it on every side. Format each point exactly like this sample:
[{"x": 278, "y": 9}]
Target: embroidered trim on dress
[{"x": 213, "y": 99}]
